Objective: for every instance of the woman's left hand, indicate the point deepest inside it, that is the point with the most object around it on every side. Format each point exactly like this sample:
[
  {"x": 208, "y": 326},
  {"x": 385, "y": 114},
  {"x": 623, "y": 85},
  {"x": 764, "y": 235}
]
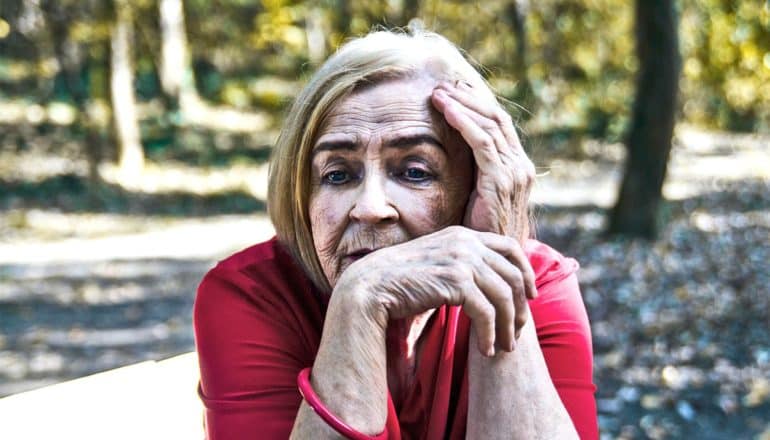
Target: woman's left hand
[{"x": 504, "y": 173}]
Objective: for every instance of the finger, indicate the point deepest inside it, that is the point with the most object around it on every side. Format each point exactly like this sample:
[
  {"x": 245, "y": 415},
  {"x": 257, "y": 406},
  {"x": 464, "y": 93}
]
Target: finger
[
  {"x": 500, "y": 295},
  {"x": 511, "y": 274},
  {"x": 482, "y": 315},
  {"x": 485, "y": 152},
  {"x": 522, "y": 313},
  {"x": 466, "y": 95},
  {"x": 509, "y": 147},
  {"x": 511, "y": 249},
  {"x": 490, "y": 127}
]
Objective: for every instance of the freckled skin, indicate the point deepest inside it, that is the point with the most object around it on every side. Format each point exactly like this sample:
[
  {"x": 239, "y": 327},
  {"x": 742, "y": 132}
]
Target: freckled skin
[{"x": 379, "y": 203}]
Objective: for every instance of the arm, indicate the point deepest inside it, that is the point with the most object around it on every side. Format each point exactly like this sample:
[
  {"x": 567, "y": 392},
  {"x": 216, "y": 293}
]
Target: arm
[
  {"x": 513, "y": 392},
  {"x": 255, "y": 331},
  {"x": 511, "y": 395},
  {"x": 252, "y": 343},
  {"x": 349, "y": 374},
  {"x": 563, "y": 339}
]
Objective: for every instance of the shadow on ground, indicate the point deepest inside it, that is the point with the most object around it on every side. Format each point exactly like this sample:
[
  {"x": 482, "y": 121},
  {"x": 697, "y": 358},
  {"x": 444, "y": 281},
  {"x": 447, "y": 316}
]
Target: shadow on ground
[
  {"x": 75, "y": 194},
  {"x": 680, "y": 330},
  {"x": 69, "y": 320}
]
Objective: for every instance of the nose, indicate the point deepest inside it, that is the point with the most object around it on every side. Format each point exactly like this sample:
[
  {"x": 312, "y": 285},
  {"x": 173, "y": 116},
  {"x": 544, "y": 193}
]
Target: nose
[{"x": 372, "y": 204}]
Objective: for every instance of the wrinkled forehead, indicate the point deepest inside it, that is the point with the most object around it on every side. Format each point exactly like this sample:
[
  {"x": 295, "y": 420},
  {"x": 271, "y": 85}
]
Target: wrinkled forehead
[{"x": 392, "y": 101}]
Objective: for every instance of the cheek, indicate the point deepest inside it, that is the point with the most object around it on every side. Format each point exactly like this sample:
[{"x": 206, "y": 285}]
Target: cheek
[
  {"x": 457, "y": 194},
  {"x": 458, "y": 188},
  {"x": 326, "y": 222},
  {"x": 430, "y": 210}
]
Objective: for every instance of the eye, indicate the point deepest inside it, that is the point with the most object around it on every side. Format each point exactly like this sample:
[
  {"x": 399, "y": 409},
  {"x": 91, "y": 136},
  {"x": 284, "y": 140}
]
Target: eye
[
  {"x": 336, "y": 177},
  {"x": 416, "y": 174}
]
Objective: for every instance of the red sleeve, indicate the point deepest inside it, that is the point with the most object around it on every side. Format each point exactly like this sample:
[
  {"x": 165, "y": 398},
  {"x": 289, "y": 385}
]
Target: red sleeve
[
  {"x": 251, "y": 343},
  {"x": 565, "y": 336}
]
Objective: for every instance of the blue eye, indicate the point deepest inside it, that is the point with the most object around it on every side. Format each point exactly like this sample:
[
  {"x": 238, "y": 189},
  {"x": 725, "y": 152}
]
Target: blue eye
[
  {"x": 336, "y": 177},
  {"x": 414, "y": 174}
]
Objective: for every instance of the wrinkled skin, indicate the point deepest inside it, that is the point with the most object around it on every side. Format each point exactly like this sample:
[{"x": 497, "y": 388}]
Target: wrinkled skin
[
  {"x": 395, "y": 161},
  {"x": 405, "y": 178},
  {"x": 402, "y": 223}
]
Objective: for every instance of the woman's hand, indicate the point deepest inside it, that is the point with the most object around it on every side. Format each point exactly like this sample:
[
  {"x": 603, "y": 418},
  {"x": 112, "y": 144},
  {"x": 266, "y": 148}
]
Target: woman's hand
[
  {"x": 488, "y": 274},
  {"x": 504, "y": 175}
]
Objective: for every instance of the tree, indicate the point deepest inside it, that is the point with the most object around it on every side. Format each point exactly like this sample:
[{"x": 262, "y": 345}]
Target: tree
[
  {"x": 409, "y": 10},
  {"x": 74, "y": 58},
  {"x": 131, "y": 155},
  {"x": 516, "y": 16},
  {"x": 652, "y": 125},
  {"x": 176, "y": 74},
  {"x": 315, "y": 34}
]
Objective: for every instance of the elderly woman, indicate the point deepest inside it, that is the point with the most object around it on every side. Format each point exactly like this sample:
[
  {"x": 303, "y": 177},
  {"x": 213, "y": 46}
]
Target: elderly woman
[{"x": 402, "y": 296}]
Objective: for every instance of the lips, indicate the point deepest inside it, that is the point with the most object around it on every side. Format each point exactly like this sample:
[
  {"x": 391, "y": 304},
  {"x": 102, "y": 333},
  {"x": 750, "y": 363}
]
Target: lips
[{"x": 357, "y": 255}]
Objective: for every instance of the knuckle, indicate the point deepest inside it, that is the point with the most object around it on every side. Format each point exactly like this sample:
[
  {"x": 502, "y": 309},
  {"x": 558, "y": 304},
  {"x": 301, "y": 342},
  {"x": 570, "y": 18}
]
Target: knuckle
[
  {"x": 528, "y": 171},
  {"x": 456, "y": 230},
  {"x": 502, "y": 294},
  {"x": 455, "y": 276},
  {"x": 466, "y": 274},
  {"x": 517, "y": 277},
  {"x": 523, "y": 180},
  {"x": 486, "y": 142},
  {"x": 490, "y": 124},
  {"x": 523, "y": 177},
  {"x": 529, "y": 174},
  {"x": 502, "y": 117},
  {"x": 487, "y": 312}
]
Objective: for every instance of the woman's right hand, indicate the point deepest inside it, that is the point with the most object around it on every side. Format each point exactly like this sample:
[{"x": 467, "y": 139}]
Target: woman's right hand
[{"x": 488, "y": 274}]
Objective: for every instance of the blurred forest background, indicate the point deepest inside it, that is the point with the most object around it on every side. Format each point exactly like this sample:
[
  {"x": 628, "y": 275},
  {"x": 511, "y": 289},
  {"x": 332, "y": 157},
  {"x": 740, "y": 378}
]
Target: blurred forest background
[{"x": 135, "y": 136}]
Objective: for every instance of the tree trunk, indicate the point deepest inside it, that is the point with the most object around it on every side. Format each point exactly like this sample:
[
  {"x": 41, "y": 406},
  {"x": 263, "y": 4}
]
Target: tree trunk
[
  {"x": 652, "y": 124},
  {"x": 316, "y": 36},
  {"x": 131, "y": 155},
  {"x": 409, "y": 10},
  {"x": 344, "y": 16},
  {"x": 176, "y": 74},
  {"x": 73, "y": 59},
  {"x": 516, "y": 16}
]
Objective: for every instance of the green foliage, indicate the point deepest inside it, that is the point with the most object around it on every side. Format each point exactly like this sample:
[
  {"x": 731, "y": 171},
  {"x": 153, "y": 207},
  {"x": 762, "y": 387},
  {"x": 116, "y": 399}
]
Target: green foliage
[
  {"x": 580, "y": 62},
  {"x": 726, "y": 81}
]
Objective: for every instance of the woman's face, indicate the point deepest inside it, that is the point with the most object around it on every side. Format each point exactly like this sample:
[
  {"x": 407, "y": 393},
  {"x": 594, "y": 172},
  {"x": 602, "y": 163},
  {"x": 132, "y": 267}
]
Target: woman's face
[{"x": 385, "y": 169}]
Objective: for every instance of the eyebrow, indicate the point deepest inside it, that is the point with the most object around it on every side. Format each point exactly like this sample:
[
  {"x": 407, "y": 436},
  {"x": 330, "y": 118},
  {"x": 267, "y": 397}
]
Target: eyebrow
[
  {"x": 411, "y": 141},
  {"x": 401, "y": 142}
]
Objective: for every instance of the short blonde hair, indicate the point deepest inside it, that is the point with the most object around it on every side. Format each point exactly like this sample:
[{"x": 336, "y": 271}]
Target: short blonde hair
[{"x": 373, "y": 58}]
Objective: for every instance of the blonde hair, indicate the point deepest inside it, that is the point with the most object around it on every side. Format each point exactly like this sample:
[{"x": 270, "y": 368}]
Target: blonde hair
[{"x": 373, "y": 58}]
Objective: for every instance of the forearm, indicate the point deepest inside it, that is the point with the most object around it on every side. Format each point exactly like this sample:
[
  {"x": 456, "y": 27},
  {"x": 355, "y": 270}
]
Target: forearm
[
  {"x": 511, "y": 395},
  {"x": 349, "y": 373}
]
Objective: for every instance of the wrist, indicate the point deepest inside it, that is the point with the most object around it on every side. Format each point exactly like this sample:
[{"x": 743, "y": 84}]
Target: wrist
[
  {"x": 354, "y": 295},
  {"x": 350, "y": 368}
]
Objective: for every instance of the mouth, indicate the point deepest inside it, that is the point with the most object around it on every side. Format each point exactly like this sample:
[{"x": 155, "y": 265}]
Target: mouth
[{"x": 358, "y": 254}]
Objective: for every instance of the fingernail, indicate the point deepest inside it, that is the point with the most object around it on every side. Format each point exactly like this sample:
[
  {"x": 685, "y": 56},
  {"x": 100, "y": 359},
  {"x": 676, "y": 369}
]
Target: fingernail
[{"x": 491, "y": 352}]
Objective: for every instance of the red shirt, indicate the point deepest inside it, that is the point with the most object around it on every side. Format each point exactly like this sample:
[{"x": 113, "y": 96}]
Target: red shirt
[{"x": 258, "y": 322}]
